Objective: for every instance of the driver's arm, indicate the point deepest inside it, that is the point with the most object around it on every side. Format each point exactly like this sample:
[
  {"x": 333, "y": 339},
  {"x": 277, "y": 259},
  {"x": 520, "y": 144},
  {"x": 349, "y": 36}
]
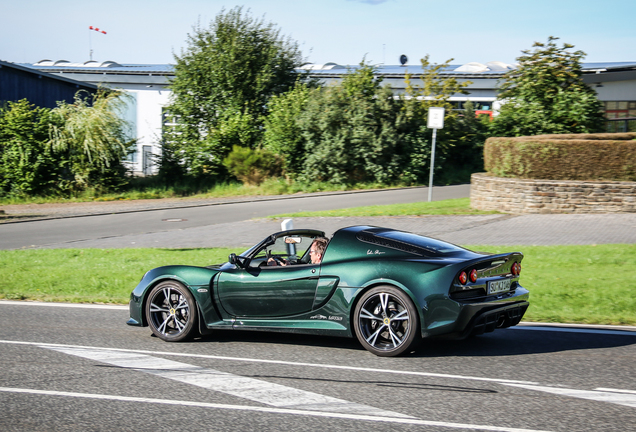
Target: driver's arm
[{"x": 276, "y": 262}]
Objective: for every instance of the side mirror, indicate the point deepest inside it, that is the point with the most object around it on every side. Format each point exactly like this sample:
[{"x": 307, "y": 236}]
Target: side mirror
[{"x": 237, "y": 260}]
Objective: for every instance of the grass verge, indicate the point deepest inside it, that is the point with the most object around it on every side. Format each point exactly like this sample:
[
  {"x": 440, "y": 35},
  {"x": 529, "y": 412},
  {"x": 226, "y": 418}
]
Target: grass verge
[
  {"x": 578, "y": 284},
  {"x": 147, "y": 188},
  {"x": 89, "y": 275},
  {"x": 568, "y": 284},
  {"x": 459, "y": 206}
]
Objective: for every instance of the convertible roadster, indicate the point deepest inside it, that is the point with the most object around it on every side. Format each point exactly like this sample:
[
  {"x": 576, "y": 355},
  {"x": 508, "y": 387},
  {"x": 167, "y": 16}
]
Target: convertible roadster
[{"x": 387, "y": 288}]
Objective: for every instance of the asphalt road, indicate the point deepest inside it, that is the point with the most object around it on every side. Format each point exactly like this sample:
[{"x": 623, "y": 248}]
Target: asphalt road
[
  {"x": 71, "y": 368},
  {"x": 57, "y": 230},
  {"x": 216, "y": 224}
]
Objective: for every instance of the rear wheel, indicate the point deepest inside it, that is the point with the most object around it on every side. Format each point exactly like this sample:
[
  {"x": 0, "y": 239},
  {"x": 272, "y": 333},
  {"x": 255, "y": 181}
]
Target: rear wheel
[
  {"x": 386, "y": 321},
  {"x": 172, "y": 312}
]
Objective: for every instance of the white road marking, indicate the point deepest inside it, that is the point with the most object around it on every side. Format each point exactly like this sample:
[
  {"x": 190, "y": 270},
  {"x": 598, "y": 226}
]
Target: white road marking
[
  {"x": 524, "y": 325},
  {"x": 264, "y": 392},
  {"x": 410, "y": 421},
  {"x": 620, "y": 397},
  {"x": 283, "y": 362},
  {"x": 68, "y": 305},
  {"x": 578, "y": 330},
  {"x": 616, "y": 390}
]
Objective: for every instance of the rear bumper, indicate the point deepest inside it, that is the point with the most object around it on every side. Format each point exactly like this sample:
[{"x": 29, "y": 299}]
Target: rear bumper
[
  {"x": 502, "y": 317},
  {"x": 476, "y": 318}
]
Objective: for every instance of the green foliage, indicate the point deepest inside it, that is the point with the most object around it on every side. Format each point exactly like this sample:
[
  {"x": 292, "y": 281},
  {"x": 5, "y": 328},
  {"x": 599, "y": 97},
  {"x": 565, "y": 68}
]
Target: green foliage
[
  {"x": 358, "y": 131},
  {"x": 221, "y": 89},
  {"x": 353, "y": 132},
  {"x": 464, "y": 135},
  {"x": 28, "y": 165},
  {"x": 283, "y": 134},
  {"x": 252, "y": 166},
  {"x": 434, "y": 90},
  {"x": 579, "y": 157},
  {"x": 546, "y": 94},
  {"x": 92, "y": 139}
]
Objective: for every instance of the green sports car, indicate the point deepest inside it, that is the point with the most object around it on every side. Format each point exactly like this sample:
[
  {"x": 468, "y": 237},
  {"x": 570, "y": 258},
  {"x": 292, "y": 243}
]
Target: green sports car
[{"x": 387, "y": 288}]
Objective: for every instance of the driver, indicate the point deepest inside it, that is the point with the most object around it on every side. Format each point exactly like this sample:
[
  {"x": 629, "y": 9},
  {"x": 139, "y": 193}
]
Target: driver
[
  {"x": 316, "y": 252},
  {"x": 317, "y": 249}
]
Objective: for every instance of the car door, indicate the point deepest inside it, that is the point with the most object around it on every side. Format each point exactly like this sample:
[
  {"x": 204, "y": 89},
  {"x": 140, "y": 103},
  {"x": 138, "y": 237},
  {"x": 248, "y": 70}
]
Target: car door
[
  {"x": 263, "y": 291},
  {"x": 268, "y": 292}
]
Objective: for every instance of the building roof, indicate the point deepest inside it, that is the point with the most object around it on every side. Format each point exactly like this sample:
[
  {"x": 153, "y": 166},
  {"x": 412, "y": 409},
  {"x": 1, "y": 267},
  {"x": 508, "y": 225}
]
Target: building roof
[
  {"x": 493, "y": 69},
  {"x": 30, "y": 69}
]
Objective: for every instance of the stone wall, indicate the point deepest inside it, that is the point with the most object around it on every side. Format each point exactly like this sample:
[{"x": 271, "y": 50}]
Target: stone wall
[{"x": 517, "y": 196}]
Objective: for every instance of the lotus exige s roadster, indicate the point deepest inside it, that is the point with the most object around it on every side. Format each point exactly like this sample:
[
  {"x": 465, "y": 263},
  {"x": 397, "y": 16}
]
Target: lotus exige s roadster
[{"x": 387, "y": 288}]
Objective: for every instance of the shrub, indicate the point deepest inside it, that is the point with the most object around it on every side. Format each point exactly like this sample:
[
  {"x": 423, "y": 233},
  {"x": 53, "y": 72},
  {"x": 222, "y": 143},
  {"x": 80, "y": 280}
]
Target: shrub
[
  {"x": 28, "y": 165},
  {"x": 252, "y": 166},
  {"x": 563, "y": 157}
]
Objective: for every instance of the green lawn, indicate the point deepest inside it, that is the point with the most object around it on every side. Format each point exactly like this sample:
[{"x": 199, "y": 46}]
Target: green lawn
[
  {"x": 571, "y": 284},
  {"x": 89, "y": 275}
]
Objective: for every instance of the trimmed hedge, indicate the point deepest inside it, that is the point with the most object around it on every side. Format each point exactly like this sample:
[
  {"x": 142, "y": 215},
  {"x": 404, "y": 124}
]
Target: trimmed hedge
[{"x": 603, "y": 156}]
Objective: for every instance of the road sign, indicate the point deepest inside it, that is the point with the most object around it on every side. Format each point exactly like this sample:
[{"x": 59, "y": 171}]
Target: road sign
[{"x": 435, "y": 118}]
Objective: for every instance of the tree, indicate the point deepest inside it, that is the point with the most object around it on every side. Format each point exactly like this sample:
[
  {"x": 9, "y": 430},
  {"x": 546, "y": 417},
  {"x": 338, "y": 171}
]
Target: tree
[
  {"x": 359, "y": 131},
  {"x": 546, "y": 94},
  {"x": 92, "y": 140},
  {"x": 223, "y": 82},
  {"x": 353, "y": 132},
  {"x": 28, "y": 165},
  {"x": 283, "y": 133},
  {"x": 433, "y": 90}
]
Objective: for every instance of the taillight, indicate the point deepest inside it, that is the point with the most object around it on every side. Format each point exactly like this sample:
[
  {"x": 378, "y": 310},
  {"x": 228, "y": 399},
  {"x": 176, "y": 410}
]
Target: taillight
[
  {"x": 473, "y": 276},
  {"x": 463, "y": 278},
  {"x": 516, "y": 269}
]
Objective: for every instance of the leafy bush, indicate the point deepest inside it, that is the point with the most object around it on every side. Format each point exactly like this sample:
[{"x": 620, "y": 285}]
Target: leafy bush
[
  {"x": 28, "y": 165},
  {"x": 92, "y": 140},
  {"x": 252, "y": 166}
]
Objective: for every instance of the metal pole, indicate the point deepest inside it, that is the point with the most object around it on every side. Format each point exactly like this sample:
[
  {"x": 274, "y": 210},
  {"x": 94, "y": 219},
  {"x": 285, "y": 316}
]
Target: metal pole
[{"x": 430, "y": 179}]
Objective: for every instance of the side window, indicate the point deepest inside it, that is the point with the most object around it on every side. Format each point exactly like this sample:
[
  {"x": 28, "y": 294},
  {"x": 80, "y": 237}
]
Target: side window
[{"x": 289, "y": 248}]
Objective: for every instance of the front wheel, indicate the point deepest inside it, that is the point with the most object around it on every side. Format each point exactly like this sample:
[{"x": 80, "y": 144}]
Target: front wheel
[
  {"x": 172, "y": 312},
  {"x": 386, "y": 321}
]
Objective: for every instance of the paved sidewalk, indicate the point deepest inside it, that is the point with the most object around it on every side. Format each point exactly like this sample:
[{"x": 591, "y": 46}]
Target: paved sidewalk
[{"x": 498, "y": 229}]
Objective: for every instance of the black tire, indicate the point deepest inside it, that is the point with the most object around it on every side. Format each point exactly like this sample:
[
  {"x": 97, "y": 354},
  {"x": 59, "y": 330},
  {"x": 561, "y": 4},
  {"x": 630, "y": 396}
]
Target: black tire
[
  {"x": 386, "y": 322},
  {"x": 171, "y": 312}
]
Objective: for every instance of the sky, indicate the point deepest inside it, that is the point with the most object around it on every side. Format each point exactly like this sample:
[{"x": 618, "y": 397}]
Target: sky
[{"x": 339, "y": 31}]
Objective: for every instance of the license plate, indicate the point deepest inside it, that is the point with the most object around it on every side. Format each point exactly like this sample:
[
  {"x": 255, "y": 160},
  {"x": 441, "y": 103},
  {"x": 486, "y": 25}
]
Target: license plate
[{"x": 495, "y": 287}]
